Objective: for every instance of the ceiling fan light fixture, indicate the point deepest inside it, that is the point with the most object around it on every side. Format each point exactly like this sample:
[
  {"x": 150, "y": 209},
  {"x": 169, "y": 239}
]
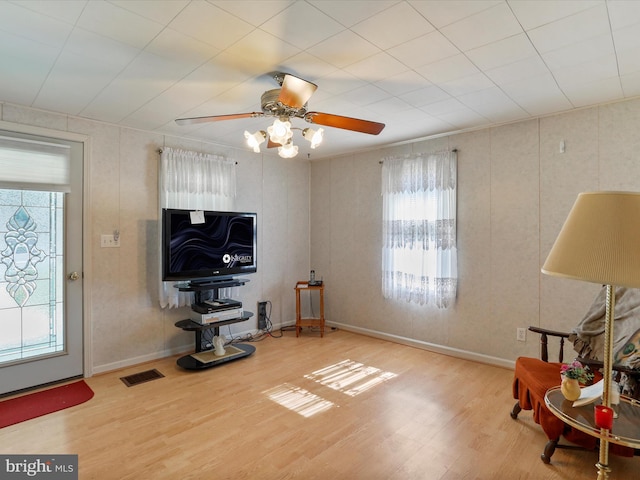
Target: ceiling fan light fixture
[
  {"x": 255, "y": 139},
  {"x": 289, "y": 150},
  {"x": 313, "y": 136},
  {"x": 280, "y": 132}
]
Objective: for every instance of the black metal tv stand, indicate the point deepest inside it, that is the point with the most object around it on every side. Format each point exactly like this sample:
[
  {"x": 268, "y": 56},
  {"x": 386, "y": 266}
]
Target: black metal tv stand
[{"x": 190, "y": 362}]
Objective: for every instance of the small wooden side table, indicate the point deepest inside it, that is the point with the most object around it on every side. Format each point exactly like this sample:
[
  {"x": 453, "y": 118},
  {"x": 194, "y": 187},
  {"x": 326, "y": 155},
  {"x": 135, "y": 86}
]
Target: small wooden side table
[{"x": 309, "y": 322}]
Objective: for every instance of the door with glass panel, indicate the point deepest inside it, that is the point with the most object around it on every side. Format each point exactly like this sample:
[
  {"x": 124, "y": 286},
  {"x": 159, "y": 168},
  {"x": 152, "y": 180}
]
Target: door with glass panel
[{"x": 41, "y": 327}]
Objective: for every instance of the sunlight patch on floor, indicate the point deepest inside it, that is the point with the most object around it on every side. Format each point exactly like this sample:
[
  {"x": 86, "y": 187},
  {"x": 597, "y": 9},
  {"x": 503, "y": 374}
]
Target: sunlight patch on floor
[
  {"x": 298, "y": 400},
  {"x": 349, "y": 377}
]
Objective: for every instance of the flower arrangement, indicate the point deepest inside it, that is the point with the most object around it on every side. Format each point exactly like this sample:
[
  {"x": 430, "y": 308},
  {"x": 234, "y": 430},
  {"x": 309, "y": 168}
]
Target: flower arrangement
[{"x": 576, "y": 371}]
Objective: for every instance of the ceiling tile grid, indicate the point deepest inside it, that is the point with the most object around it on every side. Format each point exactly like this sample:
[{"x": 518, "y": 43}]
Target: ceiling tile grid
[{"x": 422, "y": 67}]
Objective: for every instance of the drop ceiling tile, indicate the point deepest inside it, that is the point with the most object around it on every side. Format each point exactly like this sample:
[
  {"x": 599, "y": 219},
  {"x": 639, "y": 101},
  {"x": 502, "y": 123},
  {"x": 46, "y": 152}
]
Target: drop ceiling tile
[
  {"x": 67, "y": 11},
  {"x": 466, "y": 85},
  {"x": 529, "y": 67},
  {"x": 25, "y": 23},
  {"x": 89, "y": 45},
  {"x": 388, "y": 106},
  {"x": 423, "y": 50},
  {"x": 210, "y": 24},
  {"x": 155, "y": 113},
  {"x": 588, "y": 50},
  {"x": 623, "y": 14},
  {"x": 488, "y": 26},
  {"x": 503, "y": 113},
  {"x": 376, "y": 67},
  {"x": 592, "y": 93},
  {"x": 315, "y": 28},
  {"x": 17, "y": 57},
  {"x": 117, "y": 23},
  {"x": 351, "y": 12},
  {"x": 73, "y": 83},
  {"x": 256, "y": 12},
  {"x": 629, "y": 62},
  {"x": 307, "y": 66},
  {"x": 162, "y": 12},
  {"x": 181, "y": 48},
  {"x": 441, "y": 14},
  {"x": 201, "y": 85},
  {"x": 464, "y": 118},
  {"x": 133, "y": 88},
  {"x": 366, "y": 95},
  {"x": 402, "y": 83},
  {"x": 574, "y": 29},
  {"x": 532, "y": 86},
  {"x": 534, "y": 13},
  {"x": 448, "y": 69},
  {"x": 539, "y": 95},
  {"x": 42, "y": 57},
  {"x": 333, "y": 51},
  {"x": 425, "y": 96},
  {"x": 592, "y": 71},
  {"x": 547, "y": 104},
  {"x": 443, "y": 107},
  {"x": 503, "y": 52},
  {"x": 393, "y": 26},
  {"x": 337, "y": 82},
  {"x": 627, "y": 44},
  {"x": 483, "y": 97},
  {"x": 257, "y": 53},
  {"x": 631, "y": 84}
]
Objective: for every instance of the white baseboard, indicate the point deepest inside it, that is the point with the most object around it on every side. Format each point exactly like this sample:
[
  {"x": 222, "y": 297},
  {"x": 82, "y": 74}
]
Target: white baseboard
[
  {"x": 129, "y": 362},
  {"x": 432, "y": 347},
  {"x": 188, "y": 348}
]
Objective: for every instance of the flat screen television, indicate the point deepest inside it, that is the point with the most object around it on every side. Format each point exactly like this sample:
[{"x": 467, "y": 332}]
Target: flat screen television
[{"x": 205, "y": 246}]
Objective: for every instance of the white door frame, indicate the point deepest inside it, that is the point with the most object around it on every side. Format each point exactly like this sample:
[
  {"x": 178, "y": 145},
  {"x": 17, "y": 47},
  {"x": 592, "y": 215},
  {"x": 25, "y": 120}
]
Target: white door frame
[{"x": 86, "y": 228}]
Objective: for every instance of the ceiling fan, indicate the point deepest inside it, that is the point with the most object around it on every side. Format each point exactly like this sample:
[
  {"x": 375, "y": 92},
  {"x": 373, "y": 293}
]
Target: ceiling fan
[{"x": 290, "y": 101}]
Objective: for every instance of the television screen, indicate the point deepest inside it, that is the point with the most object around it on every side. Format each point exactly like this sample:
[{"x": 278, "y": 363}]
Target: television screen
[{"x": 201, "y": 245}]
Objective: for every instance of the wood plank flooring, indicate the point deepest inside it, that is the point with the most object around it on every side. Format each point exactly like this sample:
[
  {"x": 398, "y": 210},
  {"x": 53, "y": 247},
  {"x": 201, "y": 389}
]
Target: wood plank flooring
[{"x": 384, "y": 411}]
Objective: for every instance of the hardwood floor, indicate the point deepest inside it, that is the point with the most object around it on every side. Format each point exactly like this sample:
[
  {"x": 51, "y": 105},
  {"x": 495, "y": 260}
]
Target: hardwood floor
[{"x": 384, "y": 411}]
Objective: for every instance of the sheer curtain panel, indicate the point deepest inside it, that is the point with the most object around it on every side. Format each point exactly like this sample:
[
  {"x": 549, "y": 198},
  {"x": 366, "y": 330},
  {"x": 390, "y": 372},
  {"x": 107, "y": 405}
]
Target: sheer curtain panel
[
  {"x": 419, "y": 254},
  {"x": 194, "y": 181}
]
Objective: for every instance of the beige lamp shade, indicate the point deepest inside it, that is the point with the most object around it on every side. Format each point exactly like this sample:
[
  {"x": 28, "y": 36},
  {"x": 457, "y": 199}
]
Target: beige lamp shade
[{"x": 600, "y": 240}]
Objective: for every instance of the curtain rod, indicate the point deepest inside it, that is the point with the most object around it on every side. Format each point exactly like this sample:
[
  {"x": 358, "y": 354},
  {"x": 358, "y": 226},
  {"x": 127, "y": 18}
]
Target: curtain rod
[
  {"x": 160, "y": 152},
  {"x": 455, "y": 150}
]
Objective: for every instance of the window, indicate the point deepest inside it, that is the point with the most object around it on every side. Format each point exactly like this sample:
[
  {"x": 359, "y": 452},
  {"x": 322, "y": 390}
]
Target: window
[{"x": 419, "y": 254}]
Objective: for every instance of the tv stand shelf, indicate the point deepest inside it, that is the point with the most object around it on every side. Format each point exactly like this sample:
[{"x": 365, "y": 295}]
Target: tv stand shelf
[{"x": 188, "y": 361}]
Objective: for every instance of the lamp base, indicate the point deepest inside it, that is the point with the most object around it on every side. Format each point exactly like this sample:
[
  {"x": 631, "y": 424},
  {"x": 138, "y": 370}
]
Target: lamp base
[{"x": 603, "y": 471}]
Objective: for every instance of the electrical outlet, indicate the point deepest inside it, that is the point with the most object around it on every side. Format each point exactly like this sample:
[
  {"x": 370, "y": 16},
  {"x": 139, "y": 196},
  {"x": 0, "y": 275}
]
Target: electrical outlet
[
  {"x": 521, "y": 334},
  {"x": 262, "y": 315}
]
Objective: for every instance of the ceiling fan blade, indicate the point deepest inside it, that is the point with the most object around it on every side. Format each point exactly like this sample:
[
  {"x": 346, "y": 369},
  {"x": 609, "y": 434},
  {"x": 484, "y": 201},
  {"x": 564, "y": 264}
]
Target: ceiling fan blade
[
  {"x": 271, "y": 144},
  {"x": 347, "y": 123},
  {"x": 217, "y": 118},
  {"x": 295, "y": 92}
]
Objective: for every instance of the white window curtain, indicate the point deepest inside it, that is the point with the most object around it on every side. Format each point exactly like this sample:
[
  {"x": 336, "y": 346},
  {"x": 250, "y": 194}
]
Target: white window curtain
[
  {"x": 195, "y": 181},
  {"x": 419, "y": 254}
]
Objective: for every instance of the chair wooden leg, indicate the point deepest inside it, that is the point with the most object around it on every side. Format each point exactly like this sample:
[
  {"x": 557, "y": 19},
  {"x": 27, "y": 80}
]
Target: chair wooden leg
[
  {"x": 515, "y": 410},
  {"x": 549, "y": 448}
]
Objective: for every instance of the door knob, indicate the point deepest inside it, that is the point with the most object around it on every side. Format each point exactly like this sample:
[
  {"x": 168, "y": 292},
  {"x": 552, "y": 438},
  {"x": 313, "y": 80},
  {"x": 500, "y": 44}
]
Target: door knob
[{"x": 73, "y": 276}]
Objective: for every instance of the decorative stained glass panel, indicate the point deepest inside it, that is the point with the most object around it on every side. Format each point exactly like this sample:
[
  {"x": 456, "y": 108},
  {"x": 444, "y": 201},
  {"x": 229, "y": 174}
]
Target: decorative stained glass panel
[{"x": 31, "y": 296}]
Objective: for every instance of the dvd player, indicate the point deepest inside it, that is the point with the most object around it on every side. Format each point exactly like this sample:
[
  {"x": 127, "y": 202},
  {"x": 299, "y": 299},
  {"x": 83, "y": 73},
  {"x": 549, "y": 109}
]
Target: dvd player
[
  {"x": 212, "y": 306},
  {"x": 217, "y": 316}
]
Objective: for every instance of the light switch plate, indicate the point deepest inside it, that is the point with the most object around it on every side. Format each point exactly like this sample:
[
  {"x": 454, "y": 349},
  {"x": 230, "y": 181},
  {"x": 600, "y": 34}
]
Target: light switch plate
[{"x": 109, "y": 241}]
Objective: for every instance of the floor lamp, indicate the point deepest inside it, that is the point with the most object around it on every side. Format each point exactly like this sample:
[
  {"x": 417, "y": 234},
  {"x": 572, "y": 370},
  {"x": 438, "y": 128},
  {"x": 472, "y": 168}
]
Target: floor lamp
[{"x": 600, "y": 243}]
